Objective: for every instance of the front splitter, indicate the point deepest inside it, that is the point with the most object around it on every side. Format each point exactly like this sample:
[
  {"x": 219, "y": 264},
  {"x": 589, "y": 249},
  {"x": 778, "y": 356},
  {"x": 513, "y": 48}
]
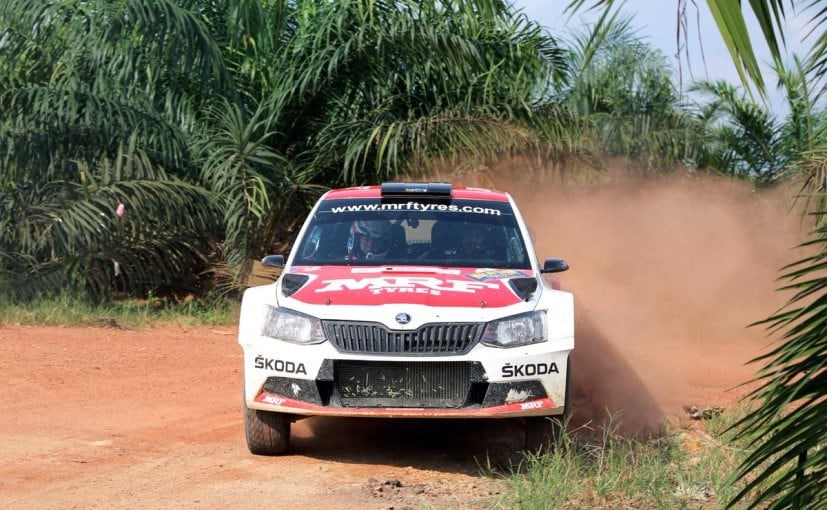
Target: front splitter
[{"x": 279, "y": 403}]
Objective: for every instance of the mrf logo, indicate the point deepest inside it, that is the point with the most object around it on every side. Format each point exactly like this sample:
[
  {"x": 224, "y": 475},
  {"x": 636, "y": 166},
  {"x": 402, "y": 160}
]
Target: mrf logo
[
  {"x": 529, "y": 369},
  {"x": 405, "y": 284}
]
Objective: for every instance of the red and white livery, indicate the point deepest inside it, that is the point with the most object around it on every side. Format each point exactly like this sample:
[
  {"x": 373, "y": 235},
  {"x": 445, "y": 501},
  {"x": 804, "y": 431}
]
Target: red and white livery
[{"x": 408, "y": 300}]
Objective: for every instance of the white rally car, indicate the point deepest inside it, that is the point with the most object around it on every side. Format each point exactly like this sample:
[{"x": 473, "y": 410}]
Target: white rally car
[{"x": 417, "y": 300}]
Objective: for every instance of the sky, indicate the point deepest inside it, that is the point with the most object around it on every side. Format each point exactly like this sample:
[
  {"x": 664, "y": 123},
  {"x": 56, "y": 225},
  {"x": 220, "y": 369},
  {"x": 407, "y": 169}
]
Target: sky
[{"x": 656, "y": 21}]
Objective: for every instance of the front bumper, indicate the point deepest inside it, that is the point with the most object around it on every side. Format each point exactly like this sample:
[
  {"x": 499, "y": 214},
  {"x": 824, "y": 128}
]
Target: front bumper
[{"x": 484, "y": 383}]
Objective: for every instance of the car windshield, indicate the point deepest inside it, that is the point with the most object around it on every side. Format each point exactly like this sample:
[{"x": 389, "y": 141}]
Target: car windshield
[{"x": 458, "y": 233}]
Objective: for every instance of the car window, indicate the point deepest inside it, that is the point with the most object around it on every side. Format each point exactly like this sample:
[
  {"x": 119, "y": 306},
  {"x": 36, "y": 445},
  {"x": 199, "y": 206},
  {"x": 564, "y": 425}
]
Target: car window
[{"x": 459, "y": 233}]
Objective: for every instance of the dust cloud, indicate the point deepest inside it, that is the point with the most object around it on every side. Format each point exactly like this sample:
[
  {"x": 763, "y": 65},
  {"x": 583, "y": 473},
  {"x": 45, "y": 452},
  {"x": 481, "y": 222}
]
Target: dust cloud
[{"x": 667, "y": 275}]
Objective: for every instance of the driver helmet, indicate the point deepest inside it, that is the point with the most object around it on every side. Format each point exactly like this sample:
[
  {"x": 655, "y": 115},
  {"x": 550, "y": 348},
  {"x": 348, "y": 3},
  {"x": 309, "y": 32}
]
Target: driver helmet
[{"x": 370, "y": 238}]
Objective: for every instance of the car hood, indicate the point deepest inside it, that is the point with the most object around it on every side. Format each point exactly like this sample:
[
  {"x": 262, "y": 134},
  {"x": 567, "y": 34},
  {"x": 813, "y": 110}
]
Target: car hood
[{"x": 430, "y": 286}]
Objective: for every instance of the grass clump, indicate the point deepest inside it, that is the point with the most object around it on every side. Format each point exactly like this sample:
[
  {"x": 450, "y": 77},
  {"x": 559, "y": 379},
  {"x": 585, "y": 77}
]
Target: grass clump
[
  {"x": 685, "y": 467},
  {"x": 67, "y": 309}
]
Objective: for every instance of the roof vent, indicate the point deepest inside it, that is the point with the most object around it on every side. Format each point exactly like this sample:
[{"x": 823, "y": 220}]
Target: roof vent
[{"x": 416, "y": 188}]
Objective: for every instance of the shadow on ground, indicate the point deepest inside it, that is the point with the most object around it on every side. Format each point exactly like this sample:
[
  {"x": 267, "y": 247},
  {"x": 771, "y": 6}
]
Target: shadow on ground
[
  {"x": 605, "y": 387},
  {"x": 460, "y": 446}
]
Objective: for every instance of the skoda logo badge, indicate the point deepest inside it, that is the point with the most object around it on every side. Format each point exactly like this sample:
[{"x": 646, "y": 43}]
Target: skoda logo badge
[{"x": 403, "y": 318}]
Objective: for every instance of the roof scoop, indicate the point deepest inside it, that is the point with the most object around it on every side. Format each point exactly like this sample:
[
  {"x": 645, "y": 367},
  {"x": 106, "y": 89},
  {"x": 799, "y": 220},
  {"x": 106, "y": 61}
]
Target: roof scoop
[{"x": 416, "y": 188}]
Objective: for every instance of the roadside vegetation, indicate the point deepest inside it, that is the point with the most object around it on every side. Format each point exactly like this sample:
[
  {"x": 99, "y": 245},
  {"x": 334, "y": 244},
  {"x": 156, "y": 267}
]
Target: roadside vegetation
[
  {"x": 65, "y": 309},
  {"x": 161, "y": 144},
  {"x": 150, "y": 144},
  {"x": 688, "y": 466}
]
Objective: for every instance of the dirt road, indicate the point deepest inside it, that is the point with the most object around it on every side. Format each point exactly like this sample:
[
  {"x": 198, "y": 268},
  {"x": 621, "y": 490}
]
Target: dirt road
[
  {"x": 666, "y": 277},
  {"x": 112, "y": 418}
]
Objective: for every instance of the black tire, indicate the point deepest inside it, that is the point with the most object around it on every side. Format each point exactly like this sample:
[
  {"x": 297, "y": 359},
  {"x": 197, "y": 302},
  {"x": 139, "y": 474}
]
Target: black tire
[
  {"x": 268, "y": 433},
  {"x": 542, "y": 433}
]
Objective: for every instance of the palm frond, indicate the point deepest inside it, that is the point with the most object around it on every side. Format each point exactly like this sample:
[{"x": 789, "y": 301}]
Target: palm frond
[
  {"x": 787, "y": 467},
  {"x": 240, "y": 167},
  {"x": 66, "y": 233}
]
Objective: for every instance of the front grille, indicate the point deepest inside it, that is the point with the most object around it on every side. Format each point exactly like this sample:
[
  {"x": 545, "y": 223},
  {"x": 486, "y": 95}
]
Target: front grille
[
  {"x": 430, "y": 339},
  {"x": 405, "y": 384}
]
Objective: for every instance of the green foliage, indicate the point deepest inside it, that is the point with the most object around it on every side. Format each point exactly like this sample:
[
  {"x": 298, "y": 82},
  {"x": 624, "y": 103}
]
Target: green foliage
[
  {"x": 744, "y": 139},
  {"x": 71, "y": 236},
  {"x": 682, "y": 469},
  {"x": 357, "y": 94},
  {"x": 787, "y": 431},
  {"x": 788, "y": 465},
  {"x": 239, "y": 165},
  {"x": 73, "y": 309},
  {"x": 218, "y": 124},
  {"x": 787, "y": 468},
  {"x": 770, "y": 15},
  {"x": 93, "y": 99},
  {"x": 624, "y": 88}
]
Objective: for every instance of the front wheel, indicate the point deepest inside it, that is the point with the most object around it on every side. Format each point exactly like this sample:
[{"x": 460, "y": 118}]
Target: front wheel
[{"x": 268, "y": 433}]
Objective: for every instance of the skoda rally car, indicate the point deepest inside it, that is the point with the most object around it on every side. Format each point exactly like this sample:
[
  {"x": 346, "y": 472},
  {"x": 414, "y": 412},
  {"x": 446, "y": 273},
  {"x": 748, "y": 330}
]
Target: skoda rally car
[{"x": 418, "y": 300}]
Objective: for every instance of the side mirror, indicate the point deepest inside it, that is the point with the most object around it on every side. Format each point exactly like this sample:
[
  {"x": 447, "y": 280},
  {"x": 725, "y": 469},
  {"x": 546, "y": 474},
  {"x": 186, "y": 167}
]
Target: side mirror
[
  {"x": 554, "y": 266},
  {"x": 273, "y": 261}
]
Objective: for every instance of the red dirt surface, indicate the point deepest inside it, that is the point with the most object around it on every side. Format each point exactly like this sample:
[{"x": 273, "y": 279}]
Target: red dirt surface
[
  {"x": 666, "y": 277},
  {"x": 112, "y": 418}
]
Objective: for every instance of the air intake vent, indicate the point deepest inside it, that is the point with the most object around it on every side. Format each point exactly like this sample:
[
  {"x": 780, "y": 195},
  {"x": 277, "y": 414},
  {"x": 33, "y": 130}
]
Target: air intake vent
[
  {"x": 524, "y": 287},
  {"x": 292, "y": 282},
  {"x": 408, "y": 384},
  {"x": 430, "y": 339}
]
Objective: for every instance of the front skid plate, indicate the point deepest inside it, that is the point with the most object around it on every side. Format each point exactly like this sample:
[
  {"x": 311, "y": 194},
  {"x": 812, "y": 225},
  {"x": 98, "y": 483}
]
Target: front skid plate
[{"x": 279, "y": 403}]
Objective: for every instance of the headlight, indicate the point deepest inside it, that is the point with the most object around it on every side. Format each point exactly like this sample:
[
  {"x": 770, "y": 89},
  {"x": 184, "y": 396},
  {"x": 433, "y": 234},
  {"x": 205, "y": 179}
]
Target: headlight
[
  {"x": 292, "y": 326},
  {"x": 523, "y": 329}
]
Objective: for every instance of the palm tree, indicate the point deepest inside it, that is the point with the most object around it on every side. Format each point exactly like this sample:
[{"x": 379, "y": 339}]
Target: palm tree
[
  {"x": 355, "y": 92},
  {"x": 623, "y": 87},
  {"x": 95, "y": 100},
  {"x": 788, "y": 465},
  {"x": 240, "y": 113},
  {"x": 745, "y": 139}
]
